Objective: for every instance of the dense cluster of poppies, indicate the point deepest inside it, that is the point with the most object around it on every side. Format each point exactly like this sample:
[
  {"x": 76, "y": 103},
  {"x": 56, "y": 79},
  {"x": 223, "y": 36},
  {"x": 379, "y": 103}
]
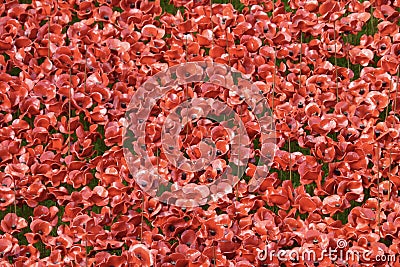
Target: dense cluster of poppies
[{"x": 68, "y": 69}]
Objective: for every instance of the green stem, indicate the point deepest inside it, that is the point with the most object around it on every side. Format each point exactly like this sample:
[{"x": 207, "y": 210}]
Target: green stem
[{"x": 336, "y": 78}]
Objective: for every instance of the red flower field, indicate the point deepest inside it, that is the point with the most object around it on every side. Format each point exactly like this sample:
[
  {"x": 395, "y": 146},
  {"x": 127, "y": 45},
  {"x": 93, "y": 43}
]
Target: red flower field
[{"x": 325, "y": 181}]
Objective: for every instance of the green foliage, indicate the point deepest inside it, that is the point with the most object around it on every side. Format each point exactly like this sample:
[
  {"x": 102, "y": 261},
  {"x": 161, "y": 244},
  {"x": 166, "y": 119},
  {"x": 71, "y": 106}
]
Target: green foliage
[
  {"x": 83, "y": 121},
  {"x": 274, "y": 209},
  {"x": 99, "y": 145},
  {"x": 170, "y": 8},
  {"x": 310, "y": 188},
  {"x": 6, "y": 57},
  {"x": 118, "y": 9},
  {"x": 15, "y": 71}
]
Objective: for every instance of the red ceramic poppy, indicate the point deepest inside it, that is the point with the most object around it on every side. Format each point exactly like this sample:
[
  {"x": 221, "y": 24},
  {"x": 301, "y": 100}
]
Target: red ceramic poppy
[{"x": 11, "y": 223}]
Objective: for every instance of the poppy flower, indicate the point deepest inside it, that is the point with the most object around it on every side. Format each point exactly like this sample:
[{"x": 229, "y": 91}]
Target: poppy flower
[
  {"x": 152, "y": 206},
  {"x": 306, "y": 203},
  {"x": 354, "y": 22},
  {"x": 278, "y": 197},
  {"x": 215, "y": 256},
  {"x": 190, "y": 72},
  {"x": 48, "y": 214},
  {"x": 388, "y": 63},
  {"x": 211, "y": 230},
  {"x": 7, "y": 197},
  {"x": 141, "y": 255},
  {"x": 7, "y": 245},
  {"x": 387, "y": 28},
  {"x": 361, "y": 56},
  {"x": 40, "y": 230},
  {"x": 390, "y": 227},
  {"x": 363, "y": 219},
  {"x": 325, "y": 151},
  {"x": 383, "y": 46},
  {"x": 172, "y": 226},
  {"x": 310, "y": 170},
  {"x": 334, "y": 203},
  {"x": 331, "y": 10},
  {"x": 352, "y": 190},
  {"x": 104, "y": 13},
  {"x": 12, "y": 223},
  {"x": 152, "y": 32}
]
